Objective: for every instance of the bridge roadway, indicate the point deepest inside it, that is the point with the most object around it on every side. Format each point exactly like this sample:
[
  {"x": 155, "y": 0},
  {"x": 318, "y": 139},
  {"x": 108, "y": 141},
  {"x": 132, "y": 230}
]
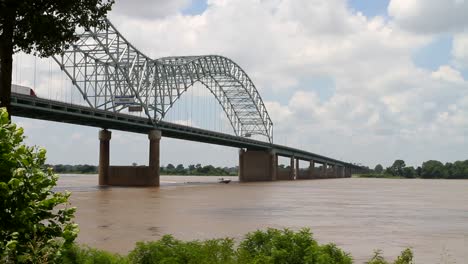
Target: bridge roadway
[
  {"x": 258, "y": 160},
  {"x": 38, "y": 108}
]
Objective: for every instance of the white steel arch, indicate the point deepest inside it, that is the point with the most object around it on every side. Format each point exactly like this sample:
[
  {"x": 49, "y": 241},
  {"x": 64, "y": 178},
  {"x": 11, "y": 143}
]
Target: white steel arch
[{"x": 102, "y": 64}]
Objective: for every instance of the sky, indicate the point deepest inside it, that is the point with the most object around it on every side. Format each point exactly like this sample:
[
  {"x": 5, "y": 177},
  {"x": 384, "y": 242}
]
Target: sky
[{"x": 365, "y": 81}]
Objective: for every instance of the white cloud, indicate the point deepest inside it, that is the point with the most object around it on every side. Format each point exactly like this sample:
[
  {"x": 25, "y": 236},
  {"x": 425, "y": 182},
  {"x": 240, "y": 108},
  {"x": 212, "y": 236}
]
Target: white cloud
[
  {"x": 430, "y": 16},
  {"x": 449, "y": 74},
  {"x": 383, "y": 106},
  {"x": 149, "y": 9},
  {"x": 460, "y": 49}
]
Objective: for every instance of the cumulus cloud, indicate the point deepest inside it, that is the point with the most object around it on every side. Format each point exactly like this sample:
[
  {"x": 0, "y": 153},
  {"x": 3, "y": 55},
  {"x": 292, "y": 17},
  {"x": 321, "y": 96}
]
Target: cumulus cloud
[
  {"x": 460, "y": 49},
  {"x": 430, "y": 16},
  {"x": 382, "y": 107},
  {"x": 149, "y": 9}
]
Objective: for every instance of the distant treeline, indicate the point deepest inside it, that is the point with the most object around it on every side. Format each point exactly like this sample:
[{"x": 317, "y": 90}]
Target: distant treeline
[
  {"x": 198, "y": 169},
  {"x": 69, "y": 169},
  {"x": 431, "y": 169},
  {"x": 170, "y": 169}
]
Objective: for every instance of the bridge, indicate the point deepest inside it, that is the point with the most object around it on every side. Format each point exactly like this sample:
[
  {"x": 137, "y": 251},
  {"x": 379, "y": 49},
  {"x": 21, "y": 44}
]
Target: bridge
[{"x": 115, "y": 79}]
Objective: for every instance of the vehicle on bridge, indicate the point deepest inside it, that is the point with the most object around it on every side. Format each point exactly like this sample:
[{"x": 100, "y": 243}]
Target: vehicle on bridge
[{"x": 19, "y": 89}]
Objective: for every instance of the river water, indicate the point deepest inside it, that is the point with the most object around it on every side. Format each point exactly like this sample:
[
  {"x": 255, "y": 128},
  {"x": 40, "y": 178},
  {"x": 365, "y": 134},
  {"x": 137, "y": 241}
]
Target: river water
[{"x": 359, "y": 215}]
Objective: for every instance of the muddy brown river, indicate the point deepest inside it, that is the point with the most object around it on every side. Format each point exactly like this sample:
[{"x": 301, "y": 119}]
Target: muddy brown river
[{"x": 359, "y": 215}]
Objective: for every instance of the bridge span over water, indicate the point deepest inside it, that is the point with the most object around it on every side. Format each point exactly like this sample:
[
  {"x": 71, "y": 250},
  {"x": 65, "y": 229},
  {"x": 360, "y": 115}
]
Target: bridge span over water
[{"x": 113, "y": 77}]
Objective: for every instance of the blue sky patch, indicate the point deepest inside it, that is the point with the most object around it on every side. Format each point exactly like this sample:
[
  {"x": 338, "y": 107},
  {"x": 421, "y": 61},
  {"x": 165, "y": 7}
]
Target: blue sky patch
[
  {"x": 370, "y": 8},
  {"x": 435, "y": 54},
  {"x": 196, "y": 7},
  {"x": 323, "y": 86}
]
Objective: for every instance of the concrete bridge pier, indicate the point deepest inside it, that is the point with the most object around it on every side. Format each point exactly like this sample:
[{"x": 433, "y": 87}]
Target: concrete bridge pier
[
  {"x": 312, "y": 169},
  {"x": 154, "y": 137},
  {"x": 348, "y": 172},
  {"x": 257, "y": 165},
  {"x": 306, "y": 174},
  {"x": 104, "y": 153},
  {"x": 129, "y": 175},
  {"x": 324, "y": 173}
]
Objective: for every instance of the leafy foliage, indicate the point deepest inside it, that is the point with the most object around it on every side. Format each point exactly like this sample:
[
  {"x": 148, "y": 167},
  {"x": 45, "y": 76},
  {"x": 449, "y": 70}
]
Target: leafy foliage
[
  {"x": 259, "y": 247},
  {"x": 35, "y": 222},
  {"x": 171, "y": 250},
  {"x": 378, "y": 169},
  {"x": 45, "y": 27},
  {"x": 406, "y": 257},
  {"x": 198, "y": 169},
  {"x": 431, "y": 169},
  {"x": 86, "y": 255},
  {"x": 286, "y": 246}
]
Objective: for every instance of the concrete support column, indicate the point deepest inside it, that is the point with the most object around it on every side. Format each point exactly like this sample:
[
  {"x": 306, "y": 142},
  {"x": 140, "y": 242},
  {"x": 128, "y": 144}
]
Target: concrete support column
[
  {"x": 274, "y": 165},
  {"x": 335, "y": 171},
  {"x": 241, "y": 165},
  {"x": 154, "y": 137},
  {"x": 104, "y": 159},
  {"x": 298, "y": 170},
  {"x": 311, "y": 169},
  {"x": 325, "y": 171},
  {"x": 257, "y": 165},
  {"x": 291, "y": 168}
]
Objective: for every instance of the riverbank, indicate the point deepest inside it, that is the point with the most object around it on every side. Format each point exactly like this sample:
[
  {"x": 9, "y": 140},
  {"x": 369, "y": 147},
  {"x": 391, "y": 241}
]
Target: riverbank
[
  {"x": 358, "y": 214},
  {"x": 261, "y": 246},
  {"x": 378, "y": 176}
]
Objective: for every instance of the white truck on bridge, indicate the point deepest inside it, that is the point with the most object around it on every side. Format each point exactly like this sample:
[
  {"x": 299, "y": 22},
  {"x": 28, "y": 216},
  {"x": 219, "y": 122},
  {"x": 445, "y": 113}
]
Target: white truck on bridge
[{"x": 19, "y": 89}]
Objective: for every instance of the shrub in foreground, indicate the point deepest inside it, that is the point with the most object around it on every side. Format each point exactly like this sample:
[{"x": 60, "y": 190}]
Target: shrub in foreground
[
  {"x": 35, "y": 222},
  {"x": 260, "y": 247},
  {"x": 286, "y": 246},
  {"x": 171, "y": 250},
  {"x": 86, "y": 255}
]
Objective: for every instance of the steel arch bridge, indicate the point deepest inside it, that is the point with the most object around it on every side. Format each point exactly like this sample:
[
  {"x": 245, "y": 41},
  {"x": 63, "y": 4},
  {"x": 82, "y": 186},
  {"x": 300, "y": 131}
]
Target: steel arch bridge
[{"x": 103, "y": 65}]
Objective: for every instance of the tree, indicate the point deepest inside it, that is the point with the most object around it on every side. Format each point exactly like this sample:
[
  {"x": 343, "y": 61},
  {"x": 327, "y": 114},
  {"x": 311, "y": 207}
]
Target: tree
[
  {"x": 409, "y": 172},
  {"x": 378, "y": 169},
  {"x": 43, "y": 28},
  {"x": 35, "y": 222},
  {"x": 418, "y": 171},
  {"x": 397, "y": 168},
  {"x": 432, "y": 169}
]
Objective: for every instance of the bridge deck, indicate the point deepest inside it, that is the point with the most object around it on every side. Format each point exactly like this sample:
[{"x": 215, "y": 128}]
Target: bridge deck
[{"x": 38, "y": 108}]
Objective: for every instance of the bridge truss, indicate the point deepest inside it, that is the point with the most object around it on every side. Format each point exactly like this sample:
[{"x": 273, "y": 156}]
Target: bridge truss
[{"x": 103, "y": 66}]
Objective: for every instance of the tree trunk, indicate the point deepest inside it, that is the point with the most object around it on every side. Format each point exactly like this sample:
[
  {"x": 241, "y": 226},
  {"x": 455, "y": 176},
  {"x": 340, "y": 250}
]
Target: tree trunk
[{"x": 6, "y": 62}]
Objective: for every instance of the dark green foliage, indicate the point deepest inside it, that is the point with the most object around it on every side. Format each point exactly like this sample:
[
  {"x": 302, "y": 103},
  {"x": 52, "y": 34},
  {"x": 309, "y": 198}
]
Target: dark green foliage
[
  {"x": 378, "y": 169},
  {"x": 406, "y": 257},
  {"x": 286, "y": 246},
  {"x": 64, "y": 169},
  {"x": 431, "y": 169},
  {"x": 198, "y": 169},
  {"x": 397, "y": 168},
  {"x": 42, "y": 27},
  {"x": 35, "y": 222},
  {"x": 86, "y": 255},
  {"x": 259, "y": 247},
  {"x": 171, "y": 250},
  {"x": 409, "y": 172}
]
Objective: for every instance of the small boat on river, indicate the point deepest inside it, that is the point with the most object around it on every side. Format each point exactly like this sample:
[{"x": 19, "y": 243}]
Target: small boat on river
[{"x": 222, "y": 180}]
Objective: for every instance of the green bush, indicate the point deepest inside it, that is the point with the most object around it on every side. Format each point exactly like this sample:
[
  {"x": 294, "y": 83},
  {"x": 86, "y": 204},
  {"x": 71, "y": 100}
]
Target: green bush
[
  {"x": 286, "y": 246},
  {"x": 406, "y": 257},
  {"x": 86, "y": 255},
  {"x": 171, "y": 250},
  {"x": 35, "y": 222}
]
